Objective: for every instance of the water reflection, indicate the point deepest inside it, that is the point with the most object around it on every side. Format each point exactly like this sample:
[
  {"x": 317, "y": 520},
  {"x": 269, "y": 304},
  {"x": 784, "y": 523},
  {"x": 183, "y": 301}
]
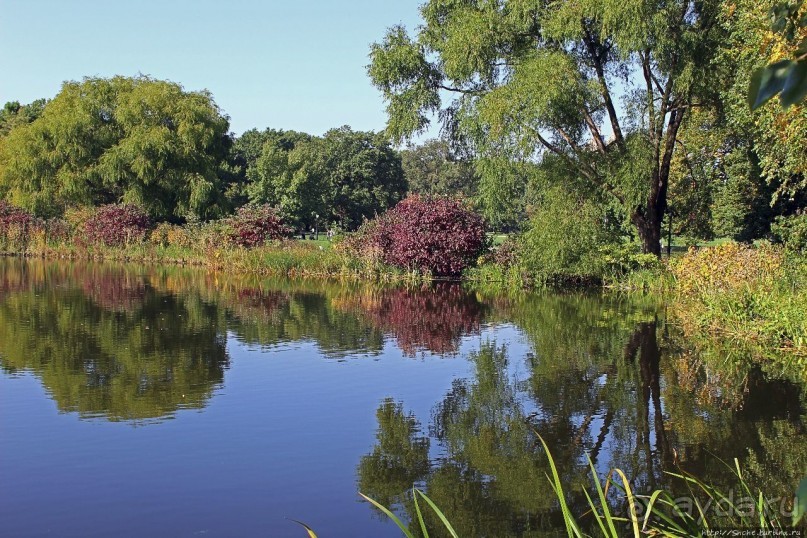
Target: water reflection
[
  {"x": 106, "y": 343},
  {"x": 622, "y": 407},
  {"x": 432, "y": 318},
  {"x": 604, "y": 377},
  {"x": 131, "y": 343}
]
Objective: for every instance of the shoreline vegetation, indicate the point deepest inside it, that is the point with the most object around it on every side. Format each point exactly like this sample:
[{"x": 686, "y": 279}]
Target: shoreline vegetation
[{"x": 743, "y": 297}]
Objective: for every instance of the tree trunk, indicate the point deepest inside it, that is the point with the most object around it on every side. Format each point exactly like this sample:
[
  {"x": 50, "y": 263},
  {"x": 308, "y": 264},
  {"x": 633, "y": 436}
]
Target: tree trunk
[
  {"x": 648, "y": 219},
  {"x": 649, "y": 228}
]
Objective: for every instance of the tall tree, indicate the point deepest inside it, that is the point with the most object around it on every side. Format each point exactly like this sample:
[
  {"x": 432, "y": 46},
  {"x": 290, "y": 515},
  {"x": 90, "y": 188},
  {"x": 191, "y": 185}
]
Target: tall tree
[
  {"x": 136, "y": 140},
  {"x": 779, "y": 135},
  {"x": 433, "y": 168},
  {"x": 533, "y": 77},
  {"x": 344, "y": 177},
  {"x": 14, "y": 114}
]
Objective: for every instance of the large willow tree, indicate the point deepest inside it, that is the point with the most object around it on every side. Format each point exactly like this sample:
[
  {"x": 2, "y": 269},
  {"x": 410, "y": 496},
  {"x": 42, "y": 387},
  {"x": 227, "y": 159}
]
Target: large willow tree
[
  {"x": 603, "y": 84},
  {"x": 136, "y": 140}
]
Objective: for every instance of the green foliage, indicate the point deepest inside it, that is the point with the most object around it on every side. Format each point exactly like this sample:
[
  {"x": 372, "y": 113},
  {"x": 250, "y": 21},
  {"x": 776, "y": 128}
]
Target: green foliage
[
  {"x": 777, "y": 135},
  {"x": 133, "y": 140},
  {"x": 568, "y": 237},
  {"x": 502, "y": 197},
  {"x": 14, "y": 114},
  {"x": 792, "y": 232},
  {"x": 344, "y": 177},
  {"x": 433, "y": 169},
  {"x": 754, "y": 296},
  {"x": 741, "y": 207},
  {"x": 526, "y": 80},
  {"x": 788, "y": 78},
  {"x": 416, "y": 493}
]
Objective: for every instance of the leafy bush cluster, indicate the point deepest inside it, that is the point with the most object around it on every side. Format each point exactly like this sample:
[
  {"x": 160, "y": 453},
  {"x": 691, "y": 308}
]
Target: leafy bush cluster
[
  {"x": 438, "y": 235},
  {"x": 10, "y": 214},
  {"x": 254, "y": 225},
  {"x": 117, "y": 225},
  {"x": 726, "y": 268},
  {"x": 791, "y": 232},
  {"x": 15, "y": 226},
  {"x": 753, "y": 295},
  {"x": 570, "y": 238}
]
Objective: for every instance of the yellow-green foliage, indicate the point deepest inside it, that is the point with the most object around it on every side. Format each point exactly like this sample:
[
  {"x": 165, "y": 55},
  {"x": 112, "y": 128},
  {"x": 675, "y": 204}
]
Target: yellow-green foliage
[
  {"x": 754, "y": 295},
  {"x": 77, "y": 217},
  {"x": 171, "y": 235},
  {"x": 730, "y": 267}
]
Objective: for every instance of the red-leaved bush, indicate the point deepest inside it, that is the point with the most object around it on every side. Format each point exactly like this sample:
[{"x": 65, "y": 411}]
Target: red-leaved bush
[
  {"x": 436, "y": 234},
  {"x": 15, "y": 226},
  {"x": 117, "y": 224},
  {"x": 11, "y": 215},
  {"x": 254, "y": 225}
]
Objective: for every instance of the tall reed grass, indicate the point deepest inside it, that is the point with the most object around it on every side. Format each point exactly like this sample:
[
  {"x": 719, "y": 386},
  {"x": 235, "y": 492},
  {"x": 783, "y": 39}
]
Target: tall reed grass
[{"x": 660, "y": 513}]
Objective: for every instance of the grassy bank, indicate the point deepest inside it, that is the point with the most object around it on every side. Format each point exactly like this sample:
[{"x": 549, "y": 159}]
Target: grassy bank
[
  {"x": 750, "y": 299},
  {"x": 292, "y": 258}
]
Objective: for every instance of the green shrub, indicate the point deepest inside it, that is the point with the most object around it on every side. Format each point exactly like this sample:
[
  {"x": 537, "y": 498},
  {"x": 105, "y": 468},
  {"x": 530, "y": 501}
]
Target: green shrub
[
  {"x": 791, "y": 232},
  {"x": 570, "y": 238},
  {"x": 753, "y": 295}
]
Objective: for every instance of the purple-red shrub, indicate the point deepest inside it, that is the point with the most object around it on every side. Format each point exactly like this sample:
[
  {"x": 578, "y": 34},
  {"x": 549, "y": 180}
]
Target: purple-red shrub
[
  {"x": 440, "y": 235},
  {"x": 12, "y": 215},
  {"x": 117, "y": 224},
  {"x": 254, "y": 225},
  {"x": 15, "y": 226}
]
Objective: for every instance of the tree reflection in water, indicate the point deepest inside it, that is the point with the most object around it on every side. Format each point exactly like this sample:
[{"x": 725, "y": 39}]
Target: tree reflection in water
[
  {"x": 431, "y": 318},
  {"x": 605, "y": 377},
  {"x": 106, "y": 343},
  {"x": 134, "y": 343},
  {"x": 489, "y": 472}
]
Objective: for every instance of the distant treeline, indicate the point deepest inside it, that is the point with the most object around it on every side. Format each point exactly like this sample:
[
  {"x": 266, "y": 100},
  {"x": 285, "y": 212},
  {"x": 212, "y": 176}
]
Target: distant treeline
[{"x": 153, "y": 144}]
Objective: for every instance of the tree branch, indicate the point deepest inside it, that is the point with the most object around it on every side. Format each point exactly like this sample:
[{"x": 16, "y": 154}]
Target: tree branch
[
  {"x": 458, "y": 90},
  {"x": 587, "y": 171},
  {"x": 595, "y": 132},
  {"x": 651, "y": 106},
  {"x": 592, "y": 45}
]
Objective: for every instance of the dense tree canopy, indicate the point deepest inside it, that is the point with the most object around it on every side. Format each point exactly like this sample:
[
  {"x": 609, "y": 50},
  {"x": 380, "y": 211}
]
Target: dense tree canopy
[
  {"x": 136, "y": 140},
  {"x": 14, "y": 114},
  {"x": 738, "y": 170},
  {"x": 531, "y": 78},
  {"x": 432, "y": 168},
  {"x": 344, "y": 176}
]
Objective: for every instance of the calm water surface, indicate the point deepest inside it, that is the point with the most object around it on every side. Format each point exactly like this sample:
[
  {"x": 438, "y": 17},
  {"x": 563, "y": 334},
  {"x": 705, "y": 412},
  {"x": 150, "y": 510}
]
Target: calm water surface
[{"x": 172, "y": 402}]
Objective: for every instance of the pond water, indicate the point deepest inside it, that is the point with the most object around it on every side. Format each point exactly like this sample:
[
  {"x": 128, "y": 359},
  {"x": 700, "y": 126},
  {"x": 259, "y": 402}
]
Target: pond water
[{"x": 140, "y": 401}]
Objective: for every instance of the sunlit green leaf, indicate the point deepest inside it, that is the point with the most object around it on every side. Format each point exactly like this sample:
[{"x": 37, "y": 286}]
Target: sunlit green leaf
[
  {"x": 795, "y": 88},
  {"x": 767, "y": 82}
]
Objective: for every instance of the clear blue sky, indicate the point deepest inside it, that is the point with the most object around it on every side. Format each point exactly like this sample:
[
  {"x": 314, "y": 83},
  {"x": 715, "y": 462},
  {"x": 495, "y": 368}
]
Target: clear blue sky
[{"x": 291, "y": 64}]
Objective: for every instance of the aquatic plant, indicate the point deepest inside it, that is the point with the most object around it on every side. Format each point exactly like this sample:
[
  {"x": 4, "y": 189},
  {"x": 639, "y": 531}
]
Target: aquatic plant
[{"x": 657, "y": 514}]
